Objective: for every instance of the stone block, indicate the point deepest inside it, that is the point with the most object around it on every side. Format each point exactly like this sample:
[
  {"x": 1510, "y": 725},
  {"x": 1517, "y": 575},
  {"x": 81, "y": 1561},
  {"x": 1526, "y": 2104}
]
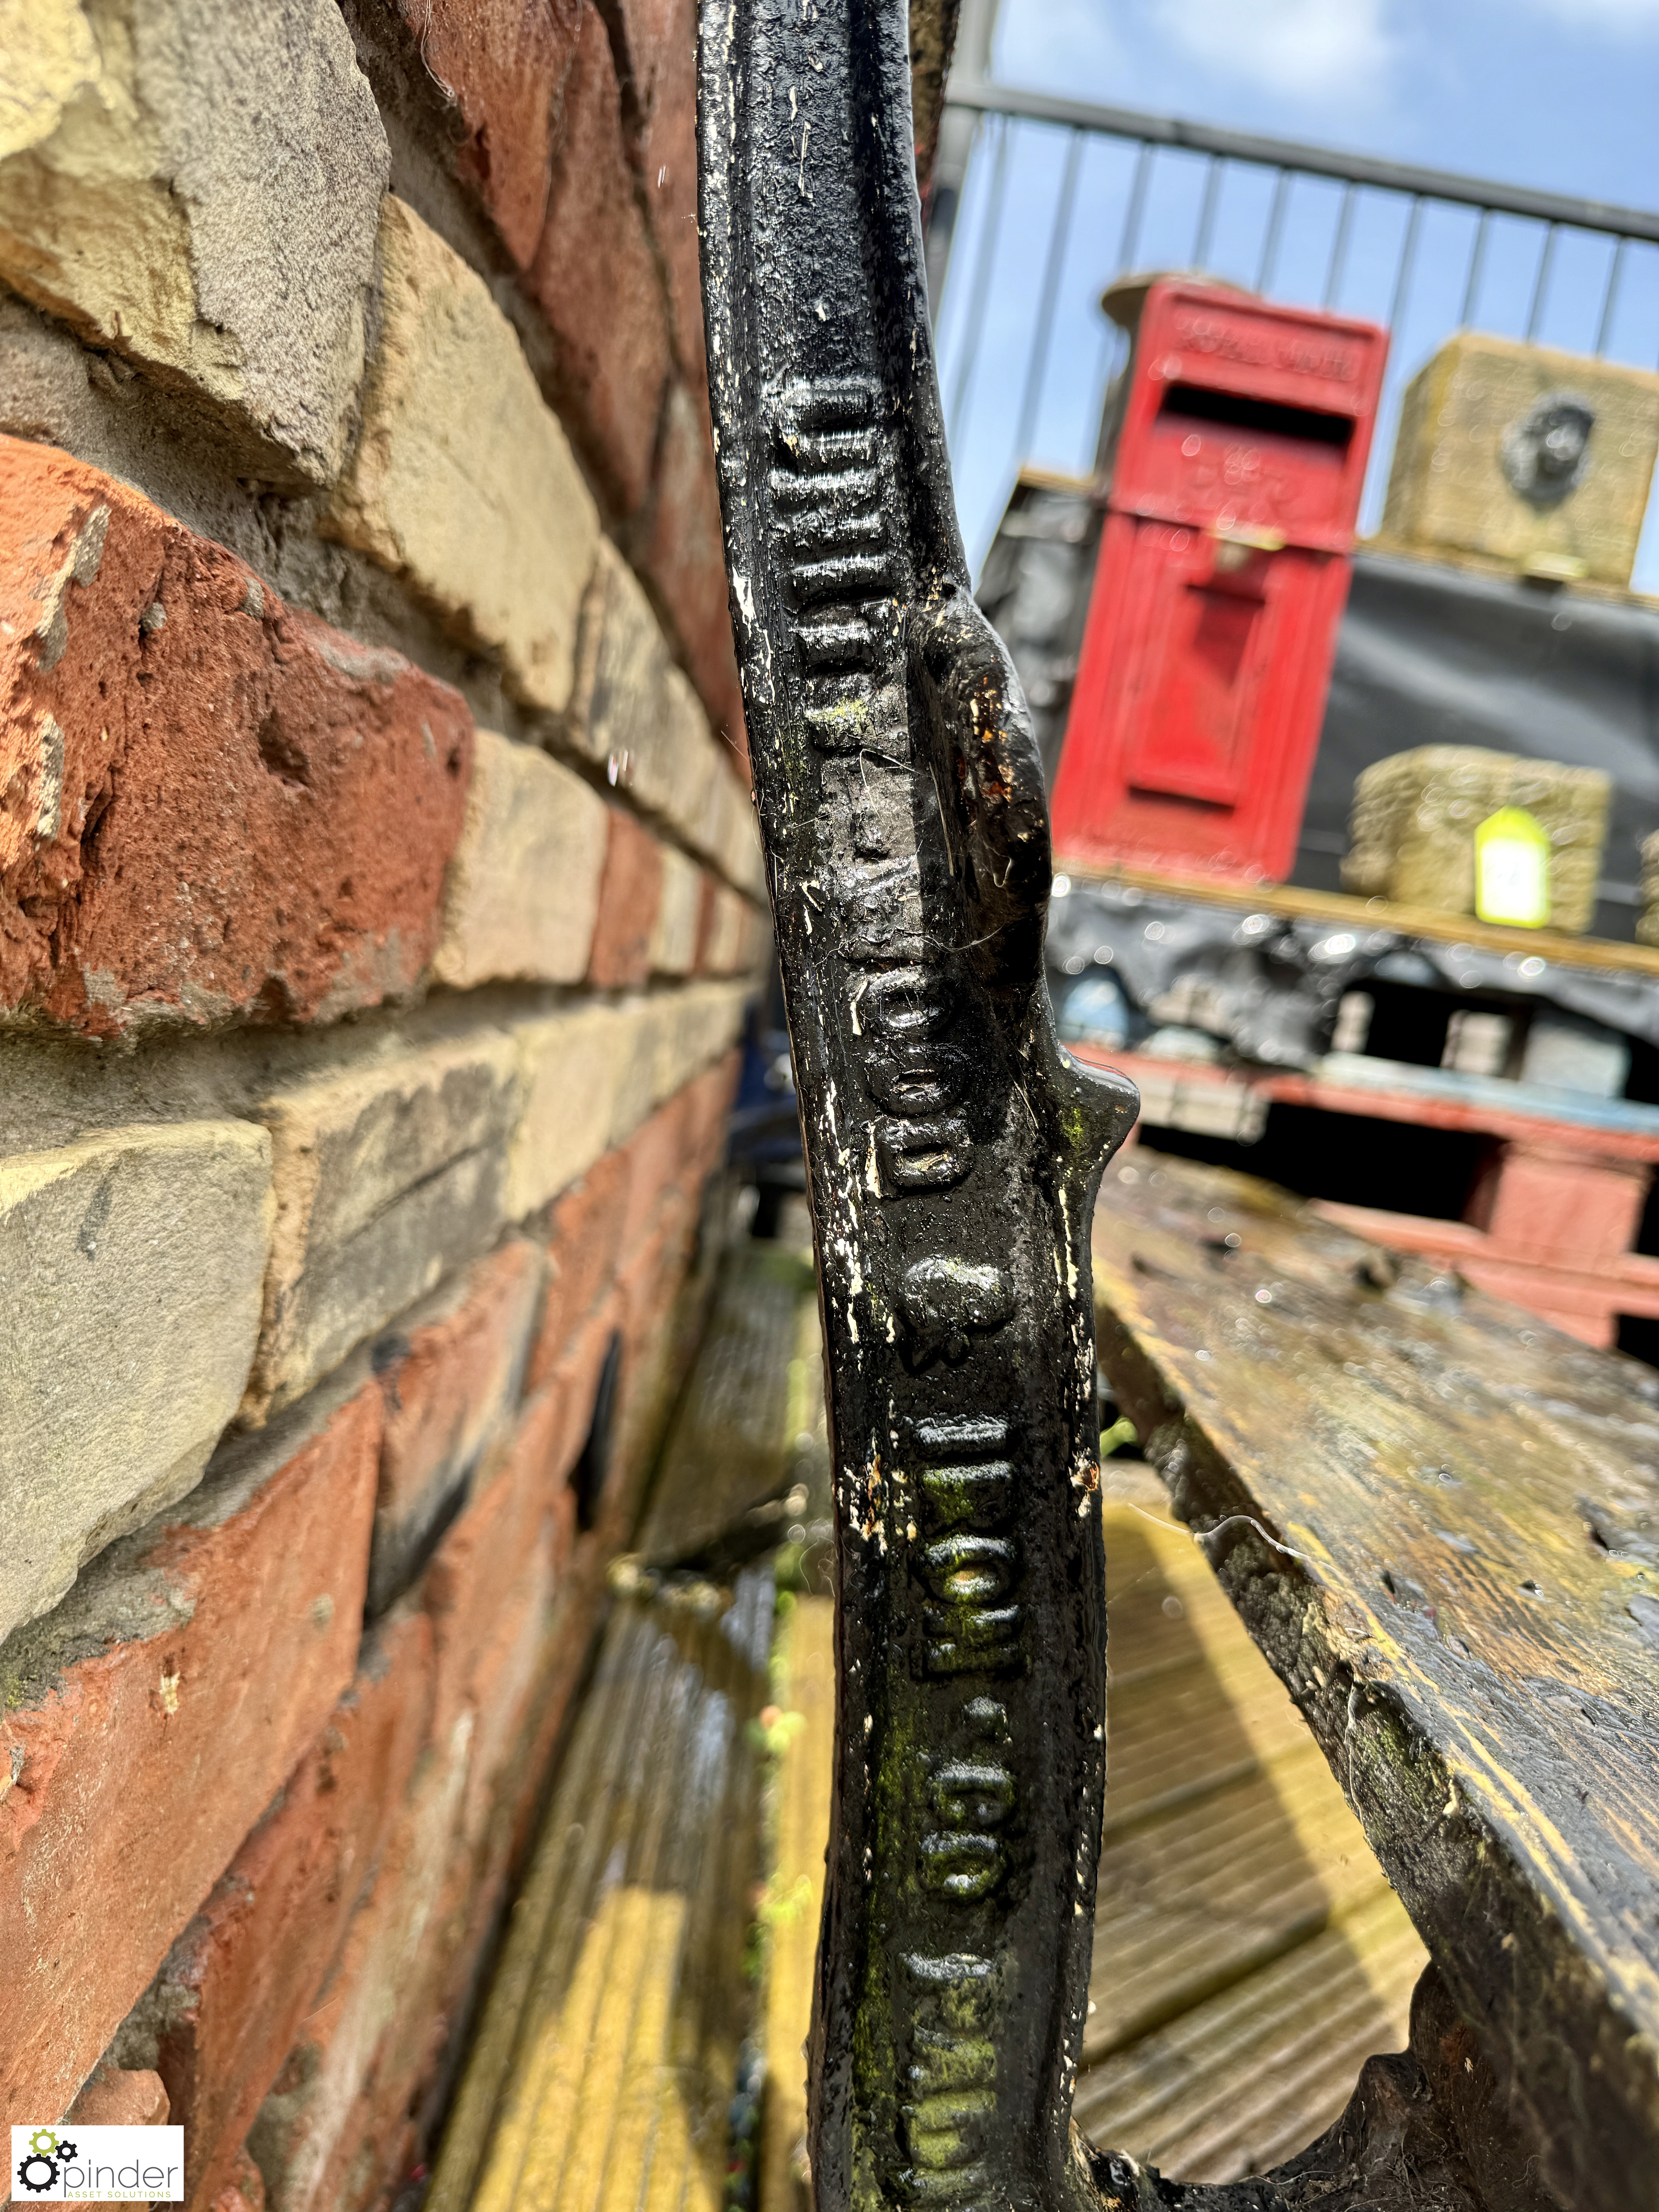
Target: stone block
[
  {"x": 233, "y": 1991},
  {"x": 461, "y": 481},
  {"x": 595, "y": 279},
  {"x": 130, "y": 1273},
  {"x": 198, "y": 190},
  {"x": 630, "y": 896},
  {"x": 674, "y": 933},
  {"x": 450, "y": 1373},
  {"x": 524, "y": 886},
  {"x": 149, "y": 1720},
  {"x": 504, "y": 63},
  {"x": 1415, "y": 815},
  {"x": 212, "y": 807},
  {"x": 681, "y": 555},
  {"x": 387, "y": 1178},
  {"x": 1525, "y": 455}
]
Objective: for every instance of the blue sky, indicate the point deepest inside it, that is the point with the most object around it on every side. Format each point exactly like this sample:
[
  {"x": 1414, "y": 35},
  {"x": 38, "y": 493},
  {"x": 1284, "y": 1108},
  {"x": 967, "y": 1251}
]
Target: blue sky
[{"x": 1557, "y": 94}]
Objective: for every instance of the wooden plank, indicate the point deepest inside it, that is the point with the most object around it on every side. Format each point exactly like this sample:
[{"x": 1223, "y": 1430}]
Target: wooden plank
[
  {"x": 1297, "y": 904},
  {"x": 1246, "y": 2079},
  {"x": 804, "y": 1671},
  {"x": 1451, "y": 1558},
  {"x": 1427, "y": 1098}
]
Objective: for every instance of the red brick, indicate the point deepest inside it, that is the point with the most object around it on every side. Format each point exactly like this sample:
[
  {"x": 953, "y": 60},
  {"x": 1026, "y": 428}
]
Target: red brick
[
  {"x": 656, "y": 45},
  {"x": 239, "y": 1980},
  {"x": 497, "y": 1568},
  {"x": 584, "y": 1235},
  {"x": 122, "y": 2097},
  {"x": 1546, "y": 1200},
  {"x": 714, "y": 1092},
  {"x": 245, "y": 2190},
  {"x": 682, "y": 556},
  {"x": 504, "y": 62},
  {"x": 655, "y": 1161},
  {"x": 119, "y": 2097},
  {"x": 630, "y": 892},
  {"x": 158, "y": 1712},
  {"x": 341, "y": 2123},
  {"x": 595, "y": 278},
  {"x": 449, "y": 1382},
  {"x": 211, "y": 807},
  {"x": 334, "y": 2127}
]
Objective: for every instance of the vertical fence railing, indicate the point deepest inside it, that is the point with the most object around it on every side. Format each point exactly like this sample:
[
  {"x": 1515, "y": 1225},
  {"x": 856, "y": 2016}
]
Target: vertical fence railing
[{"x": 1061, "y": 197}]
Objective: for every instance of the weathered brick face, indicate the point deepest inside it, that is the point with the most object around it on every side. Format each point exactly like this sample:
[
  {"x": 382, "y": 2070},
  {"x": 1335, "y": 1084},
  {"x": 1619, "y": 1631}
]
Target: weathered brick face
[
  {"x": 214, "y": 807},
  {"x": 595, "y": 279},
  {"x": 506, "y": 62},
  {"x": 380, "y": 902}
]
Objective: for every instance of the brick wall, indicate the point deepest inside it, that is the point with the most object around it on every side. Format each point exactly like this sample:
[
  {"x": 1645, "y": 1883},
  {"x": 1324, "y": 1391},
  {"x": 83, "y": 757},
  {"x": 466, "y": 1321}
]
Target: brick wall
[{"x": 379, "y": 902}]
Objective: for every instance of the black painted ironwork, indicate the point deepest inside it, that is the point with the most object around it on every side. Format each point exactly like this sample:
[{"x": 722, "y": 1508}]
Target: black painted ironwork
[{"x": 954, "y": 1150}]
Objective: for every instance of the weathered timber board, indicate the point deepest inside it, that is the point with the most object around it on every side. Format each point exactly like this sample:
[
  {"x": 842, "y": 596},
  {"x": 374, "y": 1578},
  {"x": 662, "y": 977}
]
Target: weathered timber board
[{"x": 1470, "y": 1622}]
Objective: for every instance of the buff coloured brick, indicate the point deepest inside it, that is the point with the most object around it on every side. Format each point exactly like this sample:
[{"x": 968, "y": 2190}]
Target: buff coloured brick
[
  {"x": 387, "y": 1177},
  {"x": 695, "y": 1027},
  {"x": 616, "y": 702},
  {"x": 679, "y": 913},
  {"x": 150, "y": 1718},
  {"x": 674, "y": 768},
  {"x": 524, "y": 886},
  {"x": 461, "y": 480},
  {"x": 215, "y": 807},
  {"x": 573, "y": 1065},
  {"x": 591, "y": 1076},
  {"x": 198, "y": 187},
  {"x": 733, "y": 927},
  {"x": 130, "y": 1267},
  {"x": 636, "y": 715}
]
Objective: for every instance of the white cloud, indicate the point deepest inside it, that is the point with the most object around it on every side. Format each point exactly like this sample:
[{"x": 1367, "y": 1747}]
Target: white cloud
[{"x": 1307, "y": 48}]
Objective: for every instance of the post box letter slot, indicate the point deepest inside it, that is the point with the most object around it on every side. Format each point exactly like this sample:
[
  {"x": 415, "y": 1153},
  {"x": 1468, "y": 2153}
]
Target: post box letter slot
[{"x": 1269, "y": 418}]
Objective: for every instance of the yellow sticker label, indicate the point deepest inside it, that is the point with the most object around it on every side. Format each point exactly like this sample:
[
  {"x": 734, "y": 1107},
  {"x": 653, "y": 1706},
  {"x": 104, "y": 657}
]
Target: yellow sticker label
[{"x": 1512, "y": 869}]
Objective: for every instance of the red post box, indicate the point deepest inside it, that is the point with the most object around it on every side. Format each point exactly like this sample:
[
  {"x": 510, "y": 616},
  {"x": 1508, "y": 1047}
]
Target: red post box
[{"x": 1223, "y": 571}]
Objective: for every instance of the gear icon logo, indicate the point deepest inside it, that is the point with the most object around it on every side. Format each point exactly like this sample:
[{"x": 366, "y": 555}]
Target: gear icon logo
[{"x": 47, "y": 2150}]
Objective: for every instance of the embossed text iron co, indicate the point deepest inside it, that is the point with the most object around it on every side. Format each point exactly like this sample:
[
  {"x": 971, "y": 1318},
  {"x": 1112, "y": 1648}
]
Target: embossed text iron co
[{"x": 954, "y": 1150}]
